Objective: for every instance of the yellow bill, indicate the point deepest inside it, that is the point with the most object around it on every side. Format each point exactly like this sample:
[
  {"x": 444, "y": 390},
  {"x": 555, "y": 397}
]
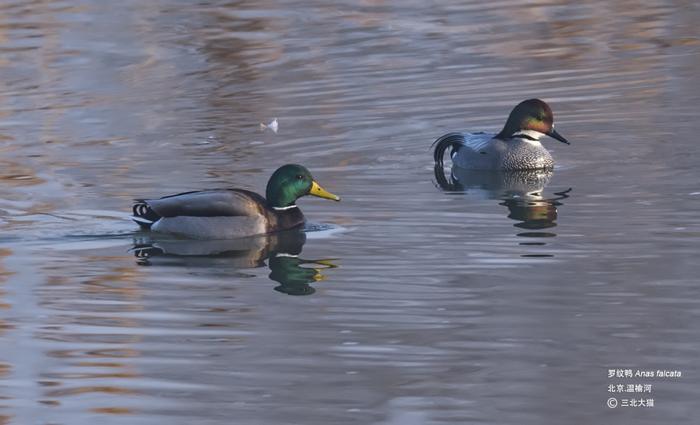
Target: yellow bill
[
  {"x": 318, "y": 276},
  {"x": 317, "y": 190}
]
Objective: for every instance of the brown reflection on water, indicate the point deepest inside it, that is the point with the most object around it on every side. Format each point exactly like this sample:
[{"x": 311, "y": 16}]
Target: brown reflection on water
[
  {"x": 5, "y": 326},
  {"x": 14, "y": 174},
  {"x": 113, "y": 410},
  {"x": 115, "y": 291},
  {"x": 4, "y": 275},
  {"x": 586, "y": 30}
]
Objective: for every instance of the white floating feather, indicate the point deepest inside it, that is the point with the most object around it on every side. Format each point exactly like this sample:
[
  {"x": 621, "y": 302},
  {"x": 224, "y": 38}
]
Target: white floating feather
[{"x": 273, "y": 125}]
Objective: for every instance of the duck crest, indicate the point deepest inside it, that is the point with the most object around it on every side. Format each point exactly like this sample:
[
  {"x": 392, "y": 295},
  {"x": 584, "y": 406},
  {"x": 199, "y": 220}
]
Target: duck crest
[{"x": 532, "y": 114}]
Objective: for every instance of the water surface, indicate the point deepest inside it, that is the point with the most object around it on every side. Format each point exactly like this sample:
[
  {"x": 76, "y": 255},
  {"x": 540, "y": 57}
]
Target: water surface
[{"x": 494, "y": 301}]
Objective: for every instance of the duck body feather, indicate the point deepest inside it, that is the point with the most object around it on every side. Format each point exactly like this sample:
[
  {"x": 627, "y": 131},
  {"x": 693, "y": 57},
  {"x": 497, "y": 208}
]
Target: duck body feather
[
  {"x": 214, "y": 214},
  {"x": 483, "y": 151}
]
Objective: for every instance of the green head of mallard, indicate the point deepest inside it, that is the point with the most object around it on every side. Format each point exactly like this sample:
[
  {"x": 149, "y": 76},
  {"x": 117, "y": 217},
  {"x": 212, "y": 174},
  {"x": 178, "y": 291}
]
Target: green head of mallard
[
  {"x": 289, "y": 183},
  {"x": 530, "y": 119}
]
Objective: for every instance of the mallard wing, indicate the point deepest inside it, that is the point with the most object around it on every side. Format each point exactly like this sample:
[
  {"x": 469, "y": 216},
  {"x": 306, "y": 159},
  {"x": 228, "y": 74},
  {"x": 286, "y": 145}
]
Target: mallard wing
[
  {"x": 207, "y": 214},
  {"x": 209, "y": 203}
]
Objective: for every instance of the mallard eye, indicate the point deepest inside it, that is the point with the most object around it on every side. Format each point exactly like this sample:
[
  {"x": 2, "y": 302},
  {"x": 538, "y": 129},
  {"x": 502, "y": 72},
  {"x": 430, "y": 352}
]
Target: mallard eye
[{"x": 300, "y": 177}]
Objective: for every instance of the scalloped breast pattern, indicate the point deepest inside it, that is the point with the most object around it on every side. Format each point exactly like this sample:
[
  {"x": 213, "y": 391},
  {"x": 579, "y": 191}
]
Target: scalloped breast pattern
[{"x": 524, "y": 155}]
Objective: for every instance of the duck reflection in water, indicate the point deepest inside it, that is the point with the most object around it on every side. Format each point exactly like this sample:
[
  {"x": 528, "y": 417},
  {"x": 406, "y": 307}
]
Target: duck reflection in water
[
  {"x": 521, "y": 191},
  {"x": 281, "y": 250}
]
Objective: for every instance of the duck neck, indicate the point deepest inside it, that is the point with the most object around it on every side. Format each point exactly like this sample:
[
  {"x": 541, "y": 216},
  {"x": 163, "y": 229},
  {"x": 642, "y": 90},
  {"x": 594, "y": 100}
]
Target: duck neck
[
  {"x": 287, "y": 208},
  {"x": 286, "y": 217},
  {"x": 280, "y": 198},
  {"x": 531, "y": 135},
  {"x": 508, "y": 131}
]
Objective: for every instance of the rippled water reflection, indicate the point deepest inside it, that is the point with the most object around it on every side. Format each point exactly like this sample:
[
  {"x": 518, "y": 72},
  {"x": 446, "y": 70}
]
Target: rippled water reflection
[
  {"x": 522, "y": 192},
  {"x": 498, "y": 301},
  {"x": 228, "y": 258}
]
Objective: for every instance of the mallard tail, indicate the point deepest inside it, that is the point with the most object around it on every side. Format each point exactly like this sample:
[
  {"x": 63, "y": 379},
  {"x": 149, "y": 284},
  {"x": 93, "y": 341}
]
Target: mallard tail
[
  {"x": 144, "y": 216},
  {"x": 449, "y": 140}
]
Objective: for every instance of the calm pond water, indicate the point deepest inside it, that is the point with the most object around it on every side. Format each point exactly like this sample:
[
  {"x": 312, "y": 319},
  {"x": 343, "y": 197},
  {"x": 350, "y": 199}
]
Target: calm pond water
[{"x": 421, "y": 298}]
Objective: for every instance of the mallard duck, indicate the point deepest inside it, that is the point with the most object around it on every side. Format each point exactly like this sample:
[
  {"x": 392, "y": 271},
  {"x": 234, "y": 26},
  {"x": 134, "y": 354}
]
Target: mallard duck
[
  {"x": 516, "y": 147},
  {"x": 232, "y": 213}
]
